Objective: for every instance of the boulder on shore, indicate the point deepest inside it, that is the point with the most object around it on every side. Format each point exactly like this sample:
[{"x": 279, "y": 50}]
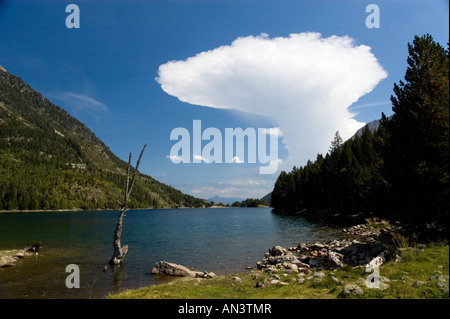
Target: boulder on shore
[{"x": 171, "y": 269}]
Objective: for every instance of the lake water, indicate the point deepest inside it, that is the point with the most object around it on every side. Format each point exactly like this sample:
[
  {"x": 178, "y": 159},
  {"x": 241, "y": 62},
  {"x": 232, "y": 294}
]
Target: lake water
[{"x": 219, "y": 240}]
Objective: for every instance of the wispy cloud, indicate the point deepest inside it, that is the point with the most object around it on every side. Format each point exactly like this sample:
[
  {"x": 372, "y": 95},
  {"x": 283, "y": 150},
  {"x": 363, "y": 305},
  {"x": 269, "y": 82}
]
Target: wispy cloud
[
  {"x": 304, "y": 82},
  {"x": 80, "y": 103},
  {"x": 363, "y": 106}
]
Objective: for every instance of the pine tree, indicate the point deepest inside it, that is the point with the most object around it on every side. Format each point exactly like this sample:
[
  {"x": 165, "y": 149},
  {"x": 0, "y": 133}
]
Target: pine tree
[
  {"x": 283, "y": 195},
  {"x": 417, "y": 149},
  {"x": 336, "y": 143}
]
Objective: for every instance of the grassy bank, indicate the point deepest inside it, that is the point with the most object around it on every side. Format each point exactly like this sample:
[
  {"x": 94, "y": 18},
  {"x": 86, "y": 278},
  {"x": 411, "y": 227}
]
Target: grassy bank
[{"x": 421, "y": 273}]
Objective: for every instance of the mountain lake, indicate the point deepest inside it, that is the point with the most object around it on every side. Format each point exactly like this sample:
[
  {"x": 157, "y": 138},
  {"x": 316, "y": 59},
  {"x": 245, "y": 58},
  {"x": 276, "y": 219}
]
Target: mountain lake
[{"x": 219, "y": 240}]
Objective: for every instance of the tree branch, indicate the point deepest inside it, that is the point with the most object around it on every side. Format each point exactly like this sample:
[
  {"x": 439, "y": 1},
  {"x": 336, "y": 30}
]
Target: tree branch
[
  {"x": 120, "y": 252},
  {"x": 136, "y": 169}
]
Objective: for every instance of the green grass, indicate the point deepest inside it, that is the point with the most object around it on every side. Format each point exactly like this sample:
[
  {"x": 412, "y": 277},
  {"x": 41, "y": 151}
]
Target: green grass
[
  {"x": 222, "y": 287},
  {"x": 417, "y": 264}
]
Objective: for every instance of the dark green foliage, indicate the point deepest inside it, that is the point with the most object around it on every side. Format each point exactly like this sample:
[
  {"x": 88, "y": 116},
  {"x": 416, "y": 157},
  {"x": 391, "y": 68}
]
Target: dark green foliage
[
  {"x": 401, "y": 171},
  {"x": 345, "y": 181},
  {"x": 50, "y": 160},
  {"x": 417, "y": 145},
  {"x": 250, "y": 202},
  {"x": 336, "y": 143},
  {"x": 283, "y": 194}
]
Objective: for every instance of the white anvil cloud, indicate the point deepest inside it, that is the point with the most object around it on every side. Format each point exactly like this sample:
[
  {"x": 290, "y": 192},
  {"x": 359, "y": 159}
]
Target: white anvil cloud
[{"x": 304, "y": 82}]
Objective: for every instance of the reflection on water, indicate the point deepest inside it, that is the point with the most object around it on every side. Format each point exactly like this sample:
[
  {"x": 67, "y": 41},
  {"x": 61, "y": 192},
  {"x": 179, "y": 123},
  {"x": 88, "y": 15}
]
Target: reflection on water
[
  {"x": 218, "y": 240},
  {"x": 314, "y": 221},
  {"x": 306, "y": 229}
]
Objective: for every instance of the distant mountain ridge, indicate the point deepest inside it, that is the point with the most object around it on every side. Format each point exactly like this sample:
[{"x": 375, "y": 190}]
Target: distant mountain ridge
[
  {"x": 225, "y": 200},
  {"x": 50, "y": 160},
  {"x": 373, "y": 127}
]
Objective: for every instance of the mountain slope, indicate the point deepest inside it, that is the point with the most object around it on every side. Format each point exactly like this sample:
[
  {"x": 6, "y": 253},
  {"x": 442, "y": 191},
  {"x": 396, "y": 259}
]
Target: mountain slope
[
  {"x": 372, "y": 126},
  {"x": 50, "y": 160},
  {"x": 267, "y": 198}
]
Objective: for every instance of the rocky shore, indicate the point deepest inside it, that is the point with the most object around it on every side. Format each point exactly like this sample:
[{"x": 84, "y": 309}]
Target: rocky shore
[
  {"x": 352, "y": 265},
  {"x": 361, "y": 245},
  {"x": 8, "y": 258}
]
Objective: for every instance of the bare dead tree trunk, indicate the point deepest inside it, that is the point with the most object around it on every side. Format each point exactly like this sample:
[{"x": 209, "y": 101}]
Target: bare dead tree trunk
[{"x": 119, "y": 251}]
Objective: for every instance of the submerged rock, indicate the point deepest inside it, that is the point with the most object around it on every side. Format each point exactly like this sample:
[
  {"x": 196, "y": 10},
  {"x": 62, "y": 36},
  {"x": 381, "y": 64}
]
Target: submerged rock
[
  {"x": 6, "y": 265},
  {"x": 20, "y": 255}
]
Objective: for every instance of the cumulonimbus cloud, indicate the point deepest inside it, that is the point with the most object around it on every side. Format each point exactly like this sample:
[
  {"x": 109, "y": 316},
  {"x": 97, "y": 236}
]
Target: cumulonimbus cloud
[{"x": 304, "y": 82}]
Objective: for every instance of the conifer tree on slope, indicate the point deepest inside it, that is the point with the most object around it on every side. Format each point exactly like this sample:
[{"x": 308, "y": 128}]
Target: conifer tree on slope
[{"x": 417, "y": 148}]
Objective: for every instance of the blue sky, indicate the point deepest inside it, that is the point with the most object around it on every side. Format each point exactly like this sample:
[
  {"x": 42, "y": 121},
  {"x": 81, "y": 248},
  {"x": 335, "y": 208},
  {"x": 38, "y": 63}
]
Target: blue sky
[{"x": 104, "y": 73}]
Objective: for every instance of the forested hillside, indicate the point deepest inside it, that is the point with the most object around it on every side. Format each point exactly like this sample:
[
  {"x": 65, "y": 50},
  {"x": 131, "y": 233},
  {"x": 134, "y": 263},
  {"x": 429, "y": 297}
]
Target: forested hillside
[
  {"x": 50, "y": 160},
  {"x": 401, "y": 170}
]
